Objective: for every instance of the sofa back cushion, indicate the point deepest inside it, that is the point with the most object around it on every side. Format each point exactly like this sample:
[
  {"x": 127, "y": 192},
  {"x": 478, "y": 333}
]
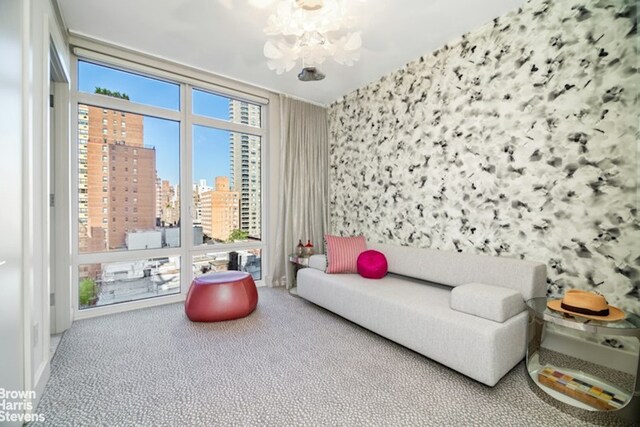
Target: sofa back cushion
[
  {"x": 318, "y": 261},
  {"x": 454, "y": 269},
  {"x": 343, "y": 252}
]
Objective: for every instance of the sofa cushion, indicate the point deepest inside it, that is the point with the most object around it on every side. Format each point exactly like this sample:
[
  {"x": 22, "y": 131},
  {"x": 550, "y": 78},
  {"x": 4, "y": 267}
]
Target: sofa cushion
[
  {"x": 342, "y": 253},
  {"x": 318, "y": 261},
  {"x": 454, "y": 269},
  {"x": 417, "y": 315},
  {"x": 372, "y": 265},
  {"x": 489, "y": 302}
]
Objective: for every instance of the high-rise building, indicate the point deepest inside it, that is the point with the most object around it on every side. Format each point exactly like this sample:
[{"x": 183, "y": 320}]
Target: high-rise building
[
  {"x": 198, "y": 190},
  {"x": 220, "y": 210},
  {"x": 158, "y": 200},
  {"x": 170, "y": 204},
  {"x": 245, "y": 166},
  {"x": 117, "y": 178}
]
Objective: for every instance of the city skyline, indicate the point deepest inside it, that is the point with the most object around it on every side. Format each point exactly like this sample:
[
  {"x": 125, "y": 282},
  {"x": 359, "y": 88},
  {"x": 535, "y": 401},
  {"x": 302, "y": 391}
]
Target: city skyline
[
  {"x": 210, "y": 146},
  {"x": 117, "y": 178},
  {"x": 129, "y": 181}
]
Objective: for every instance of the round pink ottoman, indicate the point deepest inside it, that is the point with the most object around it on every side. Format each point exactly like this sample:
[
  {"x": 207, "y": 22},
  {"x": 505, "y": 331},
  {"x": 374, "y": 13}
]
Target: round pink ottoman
[{"x": 221, "y": 296}]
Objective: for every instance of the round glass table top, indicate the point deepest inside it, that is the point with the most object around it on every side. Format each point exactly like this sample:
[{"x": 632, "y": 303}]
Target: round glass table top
[{"x": 630, "y": 325}]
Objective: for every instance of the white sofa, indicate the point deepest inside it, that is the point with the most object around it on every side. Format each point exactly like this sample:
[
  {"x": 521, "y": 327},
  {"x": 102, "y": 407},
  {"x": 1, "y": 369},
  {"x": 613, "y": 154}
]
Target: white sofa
[{"x": 464, "y": 311}]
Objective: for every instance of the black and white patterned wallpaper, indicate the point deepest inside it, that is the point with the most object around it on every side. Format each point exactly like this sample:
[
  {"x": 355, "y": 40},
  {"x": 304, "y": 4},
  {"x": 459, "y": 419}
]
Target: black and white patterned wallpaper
[{"x": 519, "y": 139}]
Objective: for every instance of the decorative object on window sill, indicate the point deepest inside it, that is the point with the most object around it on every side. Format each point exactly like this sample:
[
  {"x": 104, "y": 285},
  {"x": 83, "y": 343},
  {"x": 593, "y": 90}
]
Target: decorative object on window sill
[
  {"x": 299, "y": 248},
  {"x": 308, "y": 249},
  {"x": 311, "y": 31}
]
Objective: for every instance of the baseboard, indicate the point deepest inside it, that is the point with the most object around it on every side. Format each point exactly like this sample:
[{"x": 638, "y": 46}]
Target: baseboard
[{"x": 42, "y": 381}]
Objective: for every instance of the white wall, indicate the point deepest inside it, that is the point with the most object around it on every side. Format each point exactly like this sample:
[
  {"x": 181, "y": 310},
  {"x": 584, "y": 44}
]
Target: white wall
[
  {"x": 26, "y": 28},
  {"x": 11, "y": 105},
  {"x": 43, "y": 28}
]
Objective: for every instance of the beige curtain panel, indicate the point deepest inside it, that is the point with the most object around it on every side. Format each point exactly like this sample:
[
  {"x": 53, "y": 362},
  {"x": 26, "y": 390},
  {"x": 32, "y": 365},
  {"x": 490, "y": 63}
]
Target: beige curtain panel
[{"x": 304, "y": 177}]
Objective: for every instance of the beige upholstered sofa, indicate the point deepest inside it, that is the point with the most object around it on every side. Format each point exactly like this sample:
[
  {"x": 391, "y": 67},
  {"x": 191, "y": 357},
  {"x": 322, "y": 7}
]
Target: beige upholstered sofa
[{"x": 464, "y": 311}]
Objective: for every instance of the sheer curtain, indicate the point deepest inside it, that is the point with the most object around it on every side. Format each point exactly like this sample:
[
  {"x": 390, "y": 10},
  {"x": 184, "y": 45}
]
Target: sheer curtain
[{"x": 304, "y": 182}]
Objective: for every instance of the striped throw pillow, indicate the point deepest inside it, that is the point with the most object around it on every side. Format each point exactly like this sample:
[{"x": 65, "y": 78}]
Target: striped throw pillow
[{"x": 342, "y": 253}]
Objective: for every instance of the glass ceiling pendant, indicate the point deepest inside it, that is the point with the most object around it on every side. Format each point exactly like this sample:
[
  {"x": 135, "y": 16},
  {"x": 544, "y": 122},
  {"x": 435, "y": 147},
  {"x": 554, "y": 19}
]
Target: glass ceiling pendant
[{"x": 311, "y": 31}]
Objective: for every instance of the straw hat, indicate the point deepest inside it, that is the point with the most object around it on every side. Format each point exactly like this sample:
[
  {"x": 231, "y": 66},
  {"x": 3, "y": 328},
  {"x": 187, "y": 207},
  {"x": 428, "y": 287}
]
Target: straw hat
[{"x": 586, "y": 304}]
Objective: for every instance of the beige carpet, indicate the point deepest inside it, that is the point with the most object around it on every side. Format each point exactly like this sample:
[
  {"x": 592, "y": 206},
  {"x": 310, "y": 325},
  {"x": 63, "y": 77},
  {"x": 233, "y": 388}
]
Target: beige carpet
[{"x": 289, "y": 363}]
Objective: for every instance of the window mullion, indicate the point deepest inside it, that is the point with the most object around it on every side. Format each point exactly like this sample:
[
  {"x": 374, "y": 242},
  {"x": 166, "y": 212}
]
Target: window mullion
[
  {"x": 186, "y": 168},
  {"x": 227, "y": 247},
  {"x": 112, "y": 103},
  {"x": 226, "y": 125},
  {"x": 119, "y": 256},
  {"x": 240, "y": 96},
  {"x": 172, "y": 73}
]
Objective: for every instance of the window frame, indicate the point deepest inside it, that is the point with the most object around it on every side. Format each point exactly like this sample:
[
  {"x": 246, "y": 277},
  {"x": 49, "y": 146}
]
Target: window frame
[{"x": 186, "y": 119}]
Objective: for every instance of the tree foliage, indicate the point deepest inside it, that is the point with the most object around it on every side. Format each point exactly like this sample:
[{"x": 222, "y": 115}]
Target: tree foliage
[
  {"x": 238, "y": 235},
  {"x": 116, "y": 94},
  {"x": 87, "y": 291}
]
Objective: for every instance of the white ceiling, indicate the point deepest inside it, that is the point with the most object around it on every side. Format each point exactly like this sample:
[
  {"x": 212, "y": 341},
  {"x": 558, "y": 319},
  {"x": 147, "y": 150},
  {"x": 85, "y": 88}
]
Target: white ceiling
[{"x": 226, "y": 36}]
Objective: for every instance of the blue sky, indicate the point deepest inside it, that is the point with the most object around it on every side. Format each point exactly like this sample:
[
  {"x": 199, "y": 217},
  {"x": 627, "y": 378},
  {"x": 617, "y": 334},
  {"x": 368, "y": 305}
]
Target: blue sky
[{"x": 210, "y": 146}]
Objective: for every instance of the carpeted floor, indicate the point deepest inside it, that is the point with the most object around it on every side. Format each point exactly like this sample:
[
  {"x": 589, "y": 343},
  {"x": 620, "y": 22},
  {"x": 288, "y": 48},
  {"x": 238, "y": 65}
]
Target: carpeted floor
[{"x": 289, "y": 363}]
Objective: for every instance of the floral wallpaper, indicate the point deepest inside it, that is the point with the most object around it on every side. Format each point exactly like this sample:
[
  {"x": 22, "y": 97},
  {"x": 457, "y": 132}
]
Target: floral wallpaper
[{"x": 519, "y": 139}]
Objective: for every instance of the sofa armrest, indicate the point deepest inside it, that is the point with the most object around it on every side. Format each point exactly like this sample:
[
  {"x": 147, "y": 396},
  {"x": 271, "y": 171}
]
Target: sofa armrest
[
  {"x": 486, "y": 301},
  {"x": 319, "y": 262}
]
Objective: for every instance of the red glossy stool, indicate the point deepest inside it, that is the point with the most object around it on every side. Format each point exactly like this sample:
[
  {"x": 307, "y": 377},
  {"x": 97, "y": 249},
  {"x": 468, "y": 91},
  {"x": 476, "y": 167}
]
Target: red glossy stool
[{"x": 221, "y": 296}]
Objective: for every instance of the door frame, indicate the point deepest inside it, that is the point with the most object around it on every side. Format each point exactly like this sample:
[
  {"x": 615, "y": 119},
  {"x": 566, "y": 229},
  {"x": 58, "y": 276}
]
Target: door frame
[{"x": 59, "y": 231}]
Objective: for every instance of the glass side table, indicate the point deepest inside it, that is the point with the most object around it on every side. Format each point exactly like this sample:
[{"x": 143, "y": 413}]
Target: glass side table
[
  {"x": 598, "y": 384},
  {"x": 298, "y": 263}
]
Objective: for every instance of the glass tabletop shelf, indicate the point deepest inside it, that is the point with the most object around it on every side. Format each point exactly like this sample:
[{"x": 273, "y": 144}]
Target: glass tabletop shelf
[{"x": 629, "y": 326}]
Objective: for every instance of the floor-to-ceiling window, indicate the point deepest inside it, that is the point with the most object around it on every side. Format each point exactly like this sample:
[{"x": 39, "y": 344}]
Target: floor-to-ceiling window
[{"x": 168, "y": 173}]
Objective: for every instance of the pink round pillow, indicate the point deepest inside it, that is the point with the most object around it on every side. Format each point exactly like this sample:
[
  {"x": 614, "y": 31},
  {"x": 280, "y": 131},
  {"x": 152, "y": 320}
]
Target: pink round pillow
[{"x": 372, "y": 264}]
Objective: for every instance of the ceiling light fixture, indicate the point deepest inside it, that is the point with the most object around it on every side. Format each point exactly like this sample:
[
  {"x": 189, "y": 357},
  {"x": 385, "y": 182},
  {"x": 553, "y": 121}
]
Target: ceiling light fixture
[
  {"x": 310, "y": 74},
  {"x": 310, "y": 31}
]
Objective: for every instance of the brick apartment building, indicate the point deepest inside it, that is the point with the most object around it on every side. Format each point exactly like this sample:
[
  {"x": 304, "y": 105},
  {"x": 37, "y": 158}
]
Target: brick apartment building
[
  {"x": 220, "y": 210},
  {"x": 117, "y": 178}
]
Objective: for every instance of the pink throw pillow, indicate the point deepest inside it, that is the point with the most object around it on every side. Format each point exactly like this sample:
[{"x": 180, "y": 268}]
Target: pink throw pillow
[
  {"x": 372, "y": 264},
  {"x": 342, "y": 253}
]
